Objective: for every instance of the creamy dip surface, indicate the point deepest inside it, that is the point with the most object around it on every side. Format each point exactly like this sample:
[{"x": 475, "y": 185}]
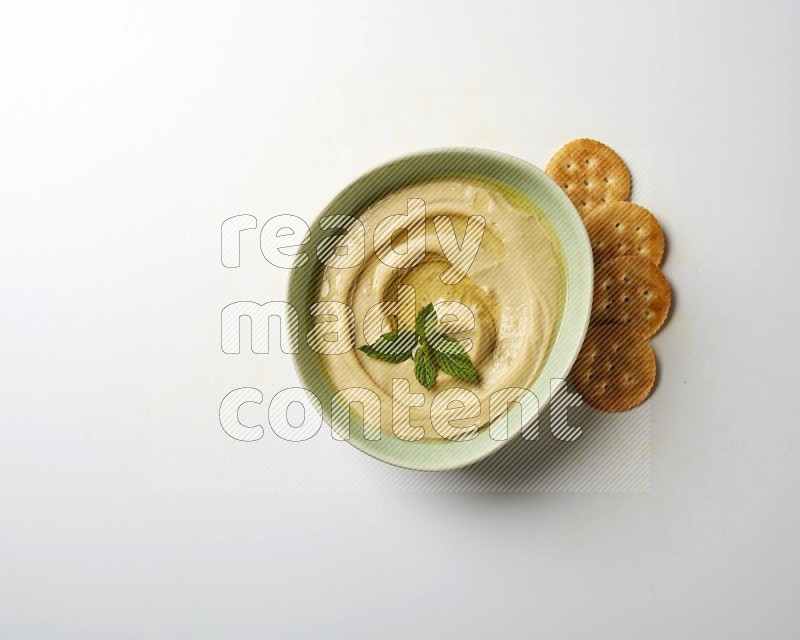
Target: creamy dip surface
[{"x": 505, "y": 310}]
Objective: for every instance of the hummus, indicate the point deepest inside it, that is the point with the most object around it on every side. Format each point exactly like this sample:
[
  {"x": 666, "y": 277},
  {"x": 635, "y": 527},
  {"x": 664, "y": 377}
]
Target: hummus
[{"x": 505, "y": 307}]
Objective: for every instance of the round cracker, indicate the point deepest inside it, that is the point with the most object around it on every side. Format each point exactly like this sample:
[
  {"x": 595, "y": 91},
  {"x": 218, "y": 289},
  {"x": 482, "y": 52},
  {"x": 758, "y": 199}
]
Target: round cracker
[
  {"x": 590, "y": 173},
  {"x": 616, "y": 368},
  {"x": 631, "y": 291},
  {"x": 624, "y": 229}
]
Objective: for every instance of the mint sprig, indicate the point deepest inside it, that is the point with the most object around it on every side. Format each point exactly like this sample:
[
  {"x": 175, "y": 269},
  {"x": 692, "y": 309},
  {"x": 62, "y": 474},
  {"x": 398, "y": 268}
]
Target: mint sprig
[{"x": 432, "y": 349}]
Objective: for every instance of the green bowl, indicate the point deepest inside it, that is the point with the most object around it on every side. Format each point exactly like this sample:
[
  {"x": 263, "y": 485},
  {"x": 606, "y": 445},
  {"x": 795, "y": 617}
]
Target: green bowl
[{"x": 513, "y": 175}]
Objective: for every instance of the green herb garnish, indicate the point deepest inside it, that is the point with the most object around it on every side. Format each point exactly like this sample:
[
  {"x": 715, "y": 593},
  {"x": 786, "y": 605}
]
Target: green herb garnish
[{"x": 432, "y": 350}]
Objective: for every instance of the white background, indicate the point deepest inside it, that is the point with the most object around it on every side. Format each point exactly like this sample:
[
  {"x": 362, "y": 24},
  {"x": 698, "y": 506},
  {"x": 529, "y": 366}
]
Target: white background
[{"x": 128, "y": 132}]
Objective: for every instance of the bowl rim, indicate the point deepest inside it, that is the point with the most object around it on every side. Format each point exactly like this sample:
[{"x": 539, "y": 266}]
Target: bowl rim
[{"x": 563, "y": 220}]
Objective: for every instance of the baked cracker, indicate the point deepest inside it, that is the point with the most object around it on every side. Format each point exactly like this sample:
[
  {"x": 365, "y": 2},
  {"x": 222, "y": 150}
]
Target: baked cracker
[
  {"x": 590, "y": 173},
  {"x": 616, "y": 368},
  {"x": 624, "y": 229},
  {"x": 631, "y": 291}
]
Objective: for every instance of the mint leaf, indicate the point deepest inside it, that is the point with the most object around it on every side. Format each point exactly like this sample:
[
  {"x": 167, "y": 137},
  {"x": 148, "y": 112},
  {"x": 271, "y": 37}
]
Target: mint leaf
[
  {"x": 445, "y": 344},
  {"x": 458, "y": 366},
  {"x": 435, "y": 349},
  {"x": 426, "y": 321},
  {"x": 394, "y": 346},
  {"x": 424, "y": 369}
]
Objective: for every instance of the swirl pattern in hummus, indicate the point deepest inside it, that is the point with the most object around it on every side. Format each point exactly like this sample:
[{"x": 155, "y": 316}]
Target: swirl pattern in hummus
[{"x": 514, "y": 291}]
